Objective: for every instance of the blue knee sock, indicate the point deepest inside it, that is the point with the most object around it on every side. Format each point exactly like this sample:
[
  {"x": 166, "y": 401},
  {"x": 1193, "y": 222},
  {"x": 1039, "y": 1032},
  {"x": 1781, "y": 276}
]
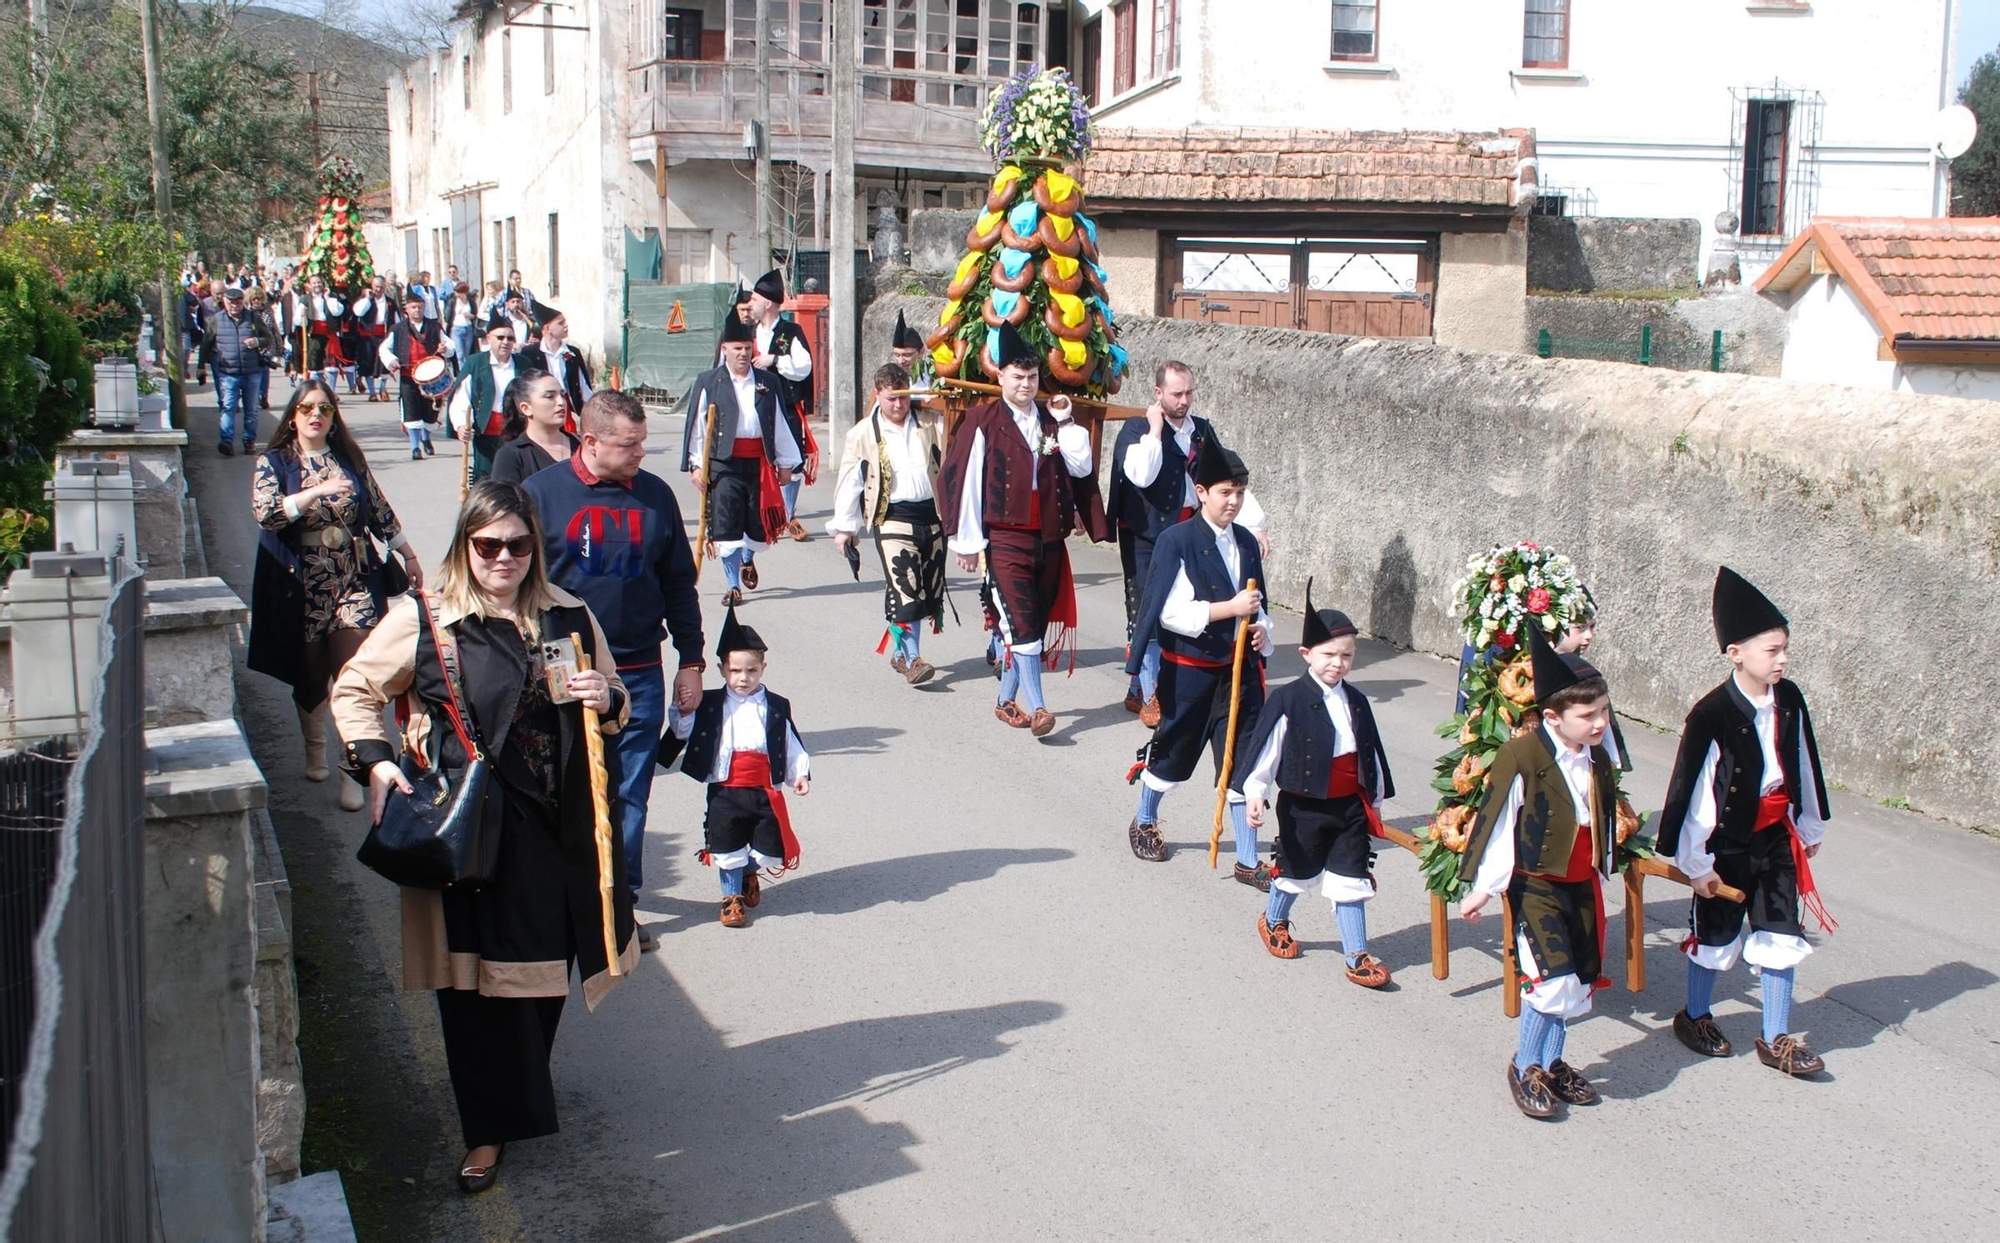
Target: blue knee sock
[
  {"x": 732, "y": 569},
  {"x": 1010, "y": 678},
  {"x": 1149, "y": 803},
  {"x": 1553, "y": 1047},
  {"x": 416, "y": 435},
  {"x": 910, "y": 644},
  {"x": 1353, "y": 919},
  {"x": 1534, "y": 1038},
  {"x": 1246, "y": 837},
  {"x": 1777, "y": 1003},
  {"x": 732, "y": 881},
  {"x": 1279, "y": 908},
  {"x": 1701, "y": 989},
  {"x": 1030, "y": 670}
]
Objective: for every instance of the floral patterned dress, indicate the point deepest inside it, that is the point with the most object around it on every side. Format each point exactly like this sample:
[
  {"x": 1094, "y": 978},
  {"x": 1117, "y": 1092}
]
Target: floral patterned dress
[{"x": 335, "y": 576}]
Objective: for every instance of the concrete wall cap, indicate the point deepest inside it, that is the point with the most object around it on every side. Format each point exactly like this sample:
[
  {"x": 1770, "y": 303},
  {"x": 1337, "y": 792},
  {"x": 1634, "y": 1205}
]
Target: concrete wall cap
[{"x": 203, "y": 769}]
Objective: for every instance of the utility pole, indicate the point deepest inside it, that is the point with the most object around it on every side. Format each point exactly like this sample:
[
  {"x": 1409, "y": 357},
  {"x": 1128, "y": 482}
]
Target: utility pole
[
  {"x": 763, "y": 263},
  {"x": 169, "y": 324},
  {"x": 38, "y": 58},
  {"x": 312, "y": 109},
  {"x": 843, "y": 322}
]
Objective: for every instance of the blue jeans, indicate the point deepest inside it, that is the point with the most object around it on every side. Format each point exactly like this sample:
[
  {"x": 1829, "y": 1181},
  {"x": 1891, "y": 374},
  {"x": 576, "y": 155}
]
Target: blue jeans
[
  {"x": 461, "y": 343},
  {"x": 636, "y": 745},
  {"x": 244, "y": 392}
]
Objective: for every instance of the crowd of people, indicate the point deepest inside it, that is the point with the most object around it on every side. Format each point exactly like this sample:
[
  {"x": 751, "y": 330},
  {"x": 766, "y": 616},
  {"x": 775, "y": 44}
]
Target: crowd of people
[{"x": 564, "y": 535}]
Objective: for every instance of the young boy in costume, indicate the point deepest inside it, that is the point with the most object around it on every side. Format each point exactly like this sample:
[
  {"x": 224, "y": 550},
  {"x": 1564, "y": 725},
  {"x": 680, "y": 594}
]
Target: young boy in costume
[
  {"x": 1316, "y": 745},
  {"x": 1747, "y": 807},
  {"x": 1544, "y": 837},
  {"x": 1204, "y": 577},
  {"x": 741, "y": 741}
]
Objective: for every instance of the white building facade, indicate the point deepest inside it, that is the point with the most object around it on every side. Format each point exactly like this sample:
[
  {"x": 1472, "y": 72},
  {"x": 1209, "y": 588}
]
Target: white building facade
[{"x": 1774, "y": 110}]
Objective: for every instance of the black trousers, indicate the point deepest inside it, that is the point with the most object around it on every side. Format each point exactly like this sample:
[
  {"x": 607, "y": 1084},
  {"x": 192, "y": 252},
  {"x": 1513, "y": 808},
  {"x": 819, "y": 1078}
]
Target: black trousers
[{"x": 498, "y": 1051}]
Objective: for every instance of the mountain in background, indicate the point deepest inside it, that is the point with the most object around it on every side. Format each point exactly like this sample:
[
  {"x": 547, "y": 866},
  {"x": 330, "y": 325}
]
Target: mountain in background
[{"x": 353, "y": 71}]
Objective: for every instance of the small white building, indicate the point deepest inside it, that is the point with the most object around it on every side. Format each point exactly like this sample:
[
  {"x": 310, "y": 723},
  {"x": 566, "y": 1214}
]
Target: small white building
[
  {"x": 1776, "y": 110},
  {"x": 1912, "y": 306}
]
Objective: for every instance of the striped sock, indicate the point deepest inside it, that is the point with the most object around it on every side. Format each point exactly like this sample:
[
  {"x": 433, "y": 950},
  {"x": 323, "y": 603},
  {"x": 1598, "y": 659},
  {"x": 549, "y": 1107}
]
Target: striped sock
[
  {"x": 1534, "y": 1038},
  {"x": 1279, "y": 908},
  {"x": 1777, "y": 1003},
  {"x": 1701, "y": 989},
  {"x": 1353, "y": 919}
]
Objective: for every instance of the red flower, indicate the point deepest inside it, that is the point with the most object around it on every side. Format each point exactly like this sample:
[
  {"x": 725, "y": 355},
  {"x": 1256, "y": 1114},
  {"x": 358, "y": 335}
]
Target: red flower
[
  {"x": 1496, "y": 583},
  {"x": 1531, "y": 547},
  {"x": 1538, "y": 600},
  {"x": 1504, "y": 641}
]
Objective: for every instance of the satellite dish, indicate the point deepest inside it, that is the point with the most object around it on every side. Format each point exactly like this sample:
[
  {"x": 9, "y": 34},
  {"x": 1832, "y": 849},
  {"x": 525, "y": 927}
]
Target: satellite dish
[{"x": 1954, "y": 130}]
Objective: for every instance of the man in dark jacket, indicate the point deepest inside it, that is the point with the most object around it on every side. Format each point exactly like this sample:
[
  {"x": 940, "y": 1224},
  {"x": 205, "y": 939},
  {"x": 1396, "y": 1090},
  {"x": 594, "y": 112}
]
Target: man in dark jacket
[
  {"x": 613, "y": 536},
  {"x": 234, "y": 347}
]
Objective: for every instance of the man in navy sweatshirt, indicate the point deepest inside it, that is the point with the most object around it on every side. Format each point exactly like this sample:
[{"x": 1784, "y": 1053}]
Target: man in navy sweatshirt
[{"x": 614, "y": 537}]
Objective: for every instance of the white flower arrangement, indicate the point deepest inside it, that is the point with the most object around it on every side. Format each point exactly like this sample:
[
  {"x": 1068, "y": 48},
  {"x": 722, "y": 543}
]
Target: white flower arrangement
[{"x": 1515, "y": 585}]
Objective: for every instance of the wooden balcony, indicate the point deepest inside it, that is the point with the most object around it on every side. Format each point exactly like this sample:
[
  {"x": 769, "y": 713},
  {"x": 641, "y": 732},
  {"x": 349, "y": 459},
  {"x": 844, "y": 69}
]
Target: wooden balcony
[{"x": 907, "y": 119}]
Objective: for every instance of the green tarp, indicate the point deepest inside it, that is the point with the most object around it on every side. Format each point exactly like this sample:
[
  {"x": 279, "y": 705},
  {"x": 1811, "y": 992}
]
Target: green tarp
[{"x": 667, "y": 362}]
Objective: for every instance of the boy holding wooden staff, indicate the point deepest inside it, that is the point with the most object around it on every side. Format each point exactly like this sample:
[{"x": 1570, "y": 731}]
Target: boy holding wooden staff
[{"x": 1203, "y": 578}]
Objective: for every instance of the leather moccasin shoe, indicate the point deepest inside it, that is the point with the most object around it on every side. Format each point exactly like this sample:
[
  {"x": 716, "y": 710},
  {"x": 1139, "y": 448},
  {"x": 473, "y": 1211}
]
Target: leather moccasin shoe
[
  {"x": 1569, "y": 1086},
  {"x": 1790, "y": 1054},
  {"x": 1530, "y": 1090},
  {"x": 1701, "y": 1034}
]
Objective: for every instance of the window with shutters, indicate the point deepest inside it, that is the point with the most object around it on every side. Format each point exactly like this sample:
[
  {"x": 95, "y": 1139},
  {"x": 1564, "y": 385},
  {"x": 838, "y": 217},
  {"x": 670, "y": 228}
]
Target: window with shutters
[
  {"x": 1766, "y": 147},
  {"x": 1356, "y": 30},
  {"x": 1545, "y": 34},
  {"x": 1091, "y": 69},
  {"x": 1166, "y": 37},
  {"x": 1125, "y": 46}
]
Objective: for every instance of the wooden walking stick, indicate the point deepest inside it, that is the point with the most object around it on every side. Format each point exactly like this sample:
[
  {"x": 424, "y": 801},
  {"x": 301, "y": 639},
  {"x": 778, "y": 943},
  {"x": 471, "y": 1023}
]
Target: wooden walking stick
[
  {"x": 707, "y": 490},
  {"x": 600, "y": 806},
  {"x": 1229, "y": 739},
  {"x": 465, "y": 458}
]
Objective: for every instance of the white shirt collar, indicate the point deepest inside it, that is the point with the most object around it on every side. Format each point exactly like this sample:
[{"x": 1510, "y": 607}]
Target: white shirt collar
[
  {"x": 735, "y": 699},
  {"x": 1220, "y": 533}
]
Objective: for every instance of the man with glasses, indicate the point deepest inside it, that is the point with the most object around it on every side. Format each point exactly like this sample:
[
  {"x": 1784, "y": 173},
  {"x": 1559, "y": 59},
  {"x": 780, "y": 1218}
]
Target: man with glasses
[
  {"x": 614, "y": 537},
  {"x": 482, "y": 387}
]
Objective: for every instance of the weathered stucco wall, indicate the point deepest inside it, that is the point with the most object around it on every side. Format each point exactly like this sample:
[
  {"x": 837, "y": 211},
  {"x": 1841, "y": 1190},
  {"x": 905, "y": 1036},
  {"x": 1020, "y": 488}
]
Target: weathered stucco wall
[
  {"x": 1873, "y": 519},
  {"x": 1753, "y": 329},
  {"x": 1582, "y": 254},
  {"x": 1131, "y": 262},
  {"x": 1482, "y": 289}
]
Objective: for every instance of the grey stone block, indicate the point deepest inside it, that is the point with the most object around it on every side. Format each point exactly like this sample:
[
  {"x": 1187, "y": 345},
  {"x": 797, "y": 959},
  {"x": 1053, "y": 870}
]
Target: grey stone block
[
  {"x": 937, "y": 237},
  {"x": 311, "y": 1210},
  {"x": 1584, "y": 254},
  {"x": 191, "y": 625}
]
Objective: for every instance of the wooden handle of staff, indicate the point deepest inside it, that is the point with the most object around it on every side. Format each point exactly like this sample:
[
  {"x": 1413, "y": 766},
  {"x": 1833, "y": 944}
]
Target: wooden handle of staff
[
  {"x": 1111, "y": 412},
  {"x": 600, "y": 806},
  {"x": 1661, "y": 868},
  {"x": 707, "y": 490},
  {"x": 465, "y": 459},
  {"x": 1229, "y": 739}
]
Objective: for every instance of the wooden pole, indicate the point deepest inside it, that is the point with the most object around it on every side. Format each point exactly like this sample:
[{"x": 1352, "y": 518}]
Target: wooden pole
[
  {"x": 707, "y": 490},
  {"x": 1510, "y": 976},
  {"x": 1111, "y": 413},
  {"x": 600, "y": 806},
  {"x": 1635, "y": 931},
  {"x": 1229, "y": 739}
]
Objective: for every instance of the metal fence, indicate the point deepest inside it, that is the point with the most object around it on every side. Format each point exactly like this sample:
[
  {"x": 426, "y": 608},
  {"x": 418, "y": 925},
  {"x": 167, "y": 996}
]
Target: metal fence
[
  {"x": 72, "y": 959},
  {"x": 1642, "y": 349}
]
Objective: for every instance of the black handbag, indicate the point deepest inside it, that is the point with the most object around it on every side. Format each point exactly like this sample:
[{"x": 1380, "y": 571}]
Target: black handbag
[
  {"x": 436, "y": 837},
  {"x": 390, "y": 575}
]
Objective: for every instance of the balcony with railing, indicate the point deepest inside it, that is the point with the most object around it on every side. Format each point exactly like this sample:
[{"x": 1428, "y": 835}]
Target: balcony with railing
[{"x": 926, "y": 70}]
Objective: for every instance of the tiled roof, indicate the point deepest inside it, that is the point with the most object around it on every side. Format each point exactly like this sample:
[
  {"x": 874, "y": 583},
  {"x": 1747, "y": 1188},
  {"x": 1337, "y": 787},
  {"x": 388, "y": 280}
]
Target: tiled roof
[
  {"x": 1235, "y": 165},
  {"x": 1920, "y": 279}
]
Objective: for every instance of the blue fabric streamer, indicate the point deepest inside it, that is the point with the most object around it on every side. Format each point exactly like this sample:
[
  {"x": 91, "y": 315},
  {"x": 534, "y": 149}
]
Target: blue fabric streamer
[
  {"x": 1012, "y": 261},
  {"x": 1024, "y": 217},
  {"x": 1004, "y": 302}
]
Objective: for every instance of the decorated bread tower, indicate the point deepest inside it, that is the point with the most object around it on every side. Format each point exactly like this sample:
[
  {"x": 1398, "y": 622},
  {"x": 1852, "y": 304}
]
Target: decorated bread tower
[
  {"x": 1031, "y": 257},
  {"x": 338, "y": 254},
  {"x": 1506, "y": 590}
]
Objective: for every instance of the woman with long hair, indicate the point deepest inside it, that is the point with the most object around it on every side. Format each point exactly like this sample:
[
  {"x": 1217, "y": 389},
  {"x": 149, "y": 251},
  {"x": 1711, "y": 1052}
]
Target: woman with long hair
[
  {"x": 319, "y": 585},
  {"x": 499, "y": 956},
  {"x": 536, "y": 409}
]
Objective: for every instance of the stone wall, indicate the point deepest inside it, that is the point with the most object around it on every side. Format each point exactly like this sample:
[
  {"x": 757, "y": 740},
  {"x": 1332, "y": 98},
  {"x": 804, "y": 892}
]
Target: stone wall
[
  {"x": 1753, "y": 328},
  {"x": 937, "y": 237},
  {"x": 1873, "y": 519},
  {"x": 1582, "y": 254},
  {"x": 1482, "y": 283}
]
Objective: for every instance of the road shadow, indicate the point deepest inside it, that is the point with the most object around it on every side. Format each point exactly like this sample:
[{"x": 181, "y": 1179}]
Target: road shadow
[
  {"x": 1851, "y": 1015},
  {"x": 857, "y": 887},
  {"x": 1385, "y": 690},
  {"x": 751, "y": 1141},
  {"x": 1074, "y": 724},
  {"x": 854, "y": 740}
]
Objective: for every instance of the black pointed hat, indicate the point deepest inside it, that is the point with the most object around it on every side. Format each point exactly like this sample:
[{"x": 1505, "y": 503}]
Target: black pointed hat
[
  {"x": 742, "y": 295},
  {"x": 771, "y": 284},
  {"x": 906, "y": 337},
  {"x": 1740, "y": 609},
  {"x": 544, "y": 313},
  {"x": 734, "y": 329},
  {"x": 1214, "y": 464},
  {"x": 1323, "y": 624},
  {"x": 737, "y": 637},
  {"x": 1555, "y": 671},
  {"x": 1012, "y": 351}
]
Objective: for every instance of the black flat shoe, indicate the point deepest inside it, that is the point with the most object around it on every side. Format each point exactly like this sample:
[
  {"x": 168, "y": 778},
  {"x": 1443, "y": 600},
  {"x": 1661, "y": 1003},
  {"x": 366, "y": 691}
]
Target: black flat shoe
[
  {"x": 473, "y": 1179},
  {"x": 416, "y": 455}
]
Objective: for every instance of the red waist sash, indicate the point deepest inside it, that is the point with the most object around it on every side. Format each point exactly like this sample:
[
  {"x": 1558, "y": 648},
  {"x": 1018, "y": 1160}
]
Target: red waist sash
[
  {"x": 751, "y": 770},
  {"x": 1193, "y": 662},
  {"x": 770, "y": 493},
  {"x": 1344, "y": 781},
  {"x": 1774, "y": 810}
]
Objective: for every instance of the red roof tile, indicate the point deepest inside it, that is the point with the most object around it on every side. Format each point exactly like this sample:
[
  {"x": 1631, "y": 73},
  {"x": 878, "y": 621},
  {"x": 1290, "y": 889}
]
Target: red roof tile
[
  {"x": 1228, "y": 164},
  {"x": 1921, "y": 279}
]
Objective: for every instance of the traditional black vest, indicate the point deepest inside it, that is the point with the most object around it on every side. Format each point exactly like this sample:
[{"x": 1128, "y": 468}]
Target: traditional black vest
[
  {"x": 1191, "y": 545},
  {"x": 1305, "y": 759},
  {"x": 1150, "y": 510},
  {"x": 1545, "y": 831},
  {"x": 1725, "y": 719},
  {"x": 698, "y": 761}
]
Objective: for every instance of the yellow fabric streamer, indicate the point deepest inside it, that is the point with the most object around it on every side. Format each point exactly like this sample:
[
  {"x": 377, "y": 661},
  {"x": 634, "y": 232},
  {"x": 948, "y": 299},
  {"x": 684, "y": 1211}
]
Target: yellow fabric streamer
[
  {"x": 1070, "y": 305},
  {"x": 949, "y": 313},
  {"x": 1061, "y": 185},
  {"x": 1007, "y": 177},
  {"x": 1075, "y": 353},
  {"x": 943, "y": 354},
  {"x": 968, "y": 263},
  {"x": 988, "y": 221},
  {"x": 1065, "y": 266},
  {"x": 1064, "y": 226}
]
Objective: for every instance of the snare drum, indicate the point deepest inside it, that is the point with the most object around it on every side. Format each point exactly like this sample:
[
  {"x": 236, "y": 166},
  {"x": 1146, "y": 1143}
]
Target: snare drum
[{"x": 432, "y": 378}]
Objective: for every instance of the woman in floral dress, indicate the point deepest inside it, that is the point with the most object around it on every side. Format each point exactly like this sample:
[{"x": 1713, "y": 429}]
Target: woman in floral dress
[{"x": 320, "y": 585}]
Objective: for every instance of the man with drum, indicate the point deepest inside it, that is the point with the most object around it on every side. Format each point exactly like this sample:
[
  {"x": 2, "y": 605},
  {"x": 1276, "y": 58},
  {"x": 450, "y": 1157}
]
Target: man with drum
[{"x": 414, "y": 352}]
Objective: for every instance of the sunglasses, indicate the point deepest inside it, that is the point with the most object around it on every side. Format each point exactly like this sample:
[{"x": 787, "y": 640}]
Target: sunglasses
[
  {"x": 315, "y": 407},
  {"x": 499, "y": 336},
  {"x": 489, "y": 547}
]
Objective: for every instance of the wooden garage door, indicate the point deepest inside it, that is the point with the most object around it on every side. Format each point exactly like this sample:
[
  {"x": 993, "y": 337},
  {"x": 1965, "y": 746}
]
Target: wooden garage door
[{"x": 1364, "y": 287}]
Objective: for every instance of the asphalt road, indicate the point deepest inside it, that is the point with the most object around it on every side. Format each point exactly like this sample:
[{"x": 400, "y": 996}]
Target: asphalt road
[{"x": 973, "y": 1014}]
